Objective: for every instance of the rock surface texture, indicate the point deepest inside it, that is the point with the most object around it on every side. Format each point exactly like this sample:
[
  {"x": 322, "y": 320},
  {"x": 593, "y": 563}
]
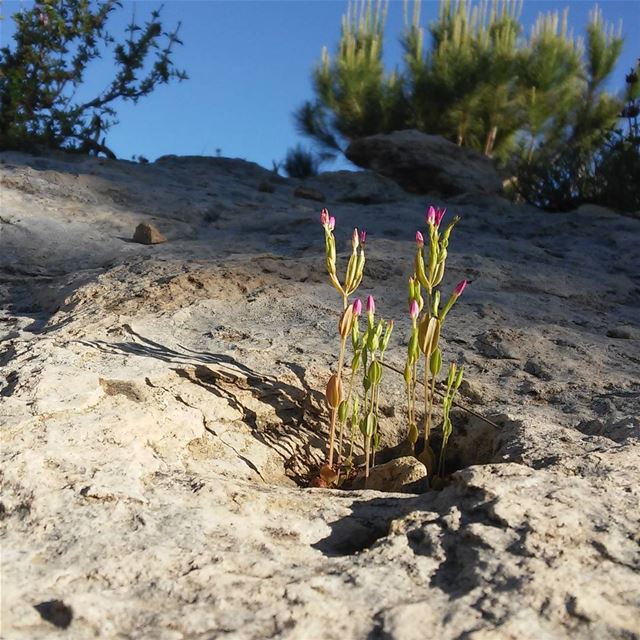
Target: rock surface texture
[
  {"x": 423, "y": 163},
  {"x": 161, "y": 410}
]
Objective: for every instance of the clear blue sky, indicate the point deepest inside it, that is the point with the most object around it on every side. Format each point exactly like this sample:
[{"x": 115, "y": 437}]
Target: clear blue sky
[{"x": 249, "y": 63}]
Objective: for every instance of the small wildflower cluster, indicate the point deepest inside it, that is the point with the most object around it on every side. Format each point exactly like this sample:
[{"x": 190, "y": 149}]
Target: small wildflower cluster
[
  {"x": 360, "y": 411},
  {"x": 427, "y": 319}
]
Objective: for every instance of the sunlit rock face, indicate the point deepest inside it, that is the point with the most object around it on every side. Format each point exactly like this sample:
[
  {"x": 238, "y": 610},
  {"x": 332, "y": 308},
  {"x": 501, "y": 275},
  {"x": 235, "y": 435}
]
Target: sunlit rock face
[{"x": 162, "y": 411}]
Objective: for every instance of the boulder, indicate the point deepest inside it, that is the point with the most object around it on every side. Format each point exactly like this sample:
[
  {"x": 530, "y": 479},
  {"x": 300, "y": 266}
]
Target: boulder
[
  {"x": 146, "y": 233},
  {"x": 402, "y": 475},
  {"x": 423, "y": 163}
]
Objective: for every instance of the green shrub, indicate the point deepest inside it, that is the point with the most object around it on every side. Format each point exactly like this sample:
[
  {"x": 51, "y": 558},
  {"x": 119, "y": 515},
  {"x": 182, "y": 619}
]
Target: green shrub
[
  {"x": 42, "y": 73},
  {"x": 479, "y": 81},
  {"x": 588, "y": 164},
  {"x": 301, "y": 163}
]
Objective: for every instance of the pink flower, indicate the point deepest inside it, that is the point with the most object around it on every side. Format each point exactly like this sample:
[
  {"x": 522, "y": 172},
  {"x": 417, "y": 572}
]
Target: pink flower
[
  {"x": 357, "y": 307},
  {"x": 414, "y": 309},
  {"x": 435, "y": 215},
  {"x": 332, "y": 223},
  {"x": 419, "y": 239},
  {"x": 371, "y": 306},
  {"x": 363, "y": 236},
  {"x": 460, "y": 287},
  {"x": 324, "y": 217},
  {"x": 355, "y": 239}
]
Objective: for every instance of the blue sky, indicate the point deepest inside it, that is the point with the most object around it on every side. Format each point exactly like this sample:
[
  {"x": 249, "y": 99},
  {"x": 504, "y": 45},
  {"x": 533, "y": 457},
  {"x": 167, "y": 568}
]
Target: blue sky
[{"x": 250, "y": 61}]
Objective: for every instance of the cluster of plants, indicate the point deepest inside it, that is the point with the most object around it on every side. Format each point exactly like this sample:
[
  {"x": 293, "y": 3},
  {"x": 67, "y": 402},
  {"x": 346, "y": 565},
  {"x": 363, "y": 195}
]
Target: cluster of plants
[
  {"x": 43, "y": 73},
  {"x": 534, "y": 101},
  {"x": 353, "y": 391}
]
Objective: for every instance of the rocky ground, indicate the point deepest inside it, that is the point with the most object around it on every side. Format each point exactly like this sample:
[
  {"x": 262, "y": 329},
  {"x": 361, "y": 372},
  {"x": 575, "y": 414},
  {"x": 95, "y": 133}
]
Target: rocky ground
[{"x": 161, "y": 410}]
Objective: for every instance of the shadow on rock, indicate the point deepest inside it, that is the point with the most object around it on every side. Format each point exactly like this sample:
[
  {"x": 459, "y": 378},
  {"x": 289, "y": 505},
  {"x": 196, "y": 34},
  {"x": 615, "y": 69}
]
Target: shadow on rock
[
  {"x": 294, "y": 432},
  {"x": 368, "y": 522}
]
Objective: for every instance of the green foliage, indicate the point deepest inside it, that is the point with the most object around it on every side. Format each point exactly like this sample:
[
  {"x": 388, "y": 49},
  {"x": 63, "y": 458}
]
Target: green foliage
[
  {"x": 464, "y": 86},
  {"x": 599, "y": 165},
  {"x": 480, "y": 81},
  {"x": 301, "y": 163},
  {"x": 355, "y": 97},
  {"x": 42, "y": 74}
]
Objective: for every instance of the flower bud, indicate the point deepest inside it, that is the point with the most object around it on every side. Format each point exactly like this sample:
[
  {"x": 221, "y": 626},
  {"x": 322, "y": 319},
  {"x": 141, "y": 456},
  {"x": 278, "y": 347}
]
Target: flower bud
[
  {"x": 431, "y": 215},
  {"x": 458, "y": 380},
  {"x": 342, "y": 411},
  {"x": 324, "y": 217},
  {"x": 332, "y": 223},
  {"x": 346, "y": 322},
  {"x": 387, "y": 336},
  {"x": 419, "y": 239},
  {"x": 428, "y": 335},
  {"x": 357, "y": 307},
  {"x": 355, "y": 239},
  {"x": 375, "y": 372},
  {"x": 363, "y": 236},
  {"x": 460, "y": 287},
  {"x": 370, "y": 424},
  {"x": 452, "y": 374},
  {"x": 333, "y": 393},
  {"x": 371, "y": 306},
  {"x": 435, "y": 362},
  {"x": 413, "y": 346},
  {"x": 436, "y": 303},
  {"x": 414, "y": 310}
]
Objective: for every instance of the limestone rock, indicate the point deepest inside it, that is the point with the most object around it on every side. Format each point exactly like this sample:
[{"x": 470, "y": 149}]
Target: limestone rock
[
  {"x": 423, "y": 163},
  {"x": 162, "y": 413},
  {"x": 401, "y": 475},
  {"x": 624, "y": 332},
  {"x": 359, "y": 187},
  {"x": 146, "y": 233},
  {"x": 308, "y": 193}
]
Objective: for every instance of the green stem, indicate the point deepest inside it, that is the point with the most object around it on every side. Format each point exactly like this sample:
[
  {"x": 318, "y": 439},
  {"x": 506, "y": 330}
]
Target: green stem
[
  {"x": 332, "y": 433},
  {"x": 429, "y": 393},
  {"x": 334, "y": 412},
  {"x": 340, "y": 439},
  {"x": 441, "y": 462},
  {"x": 368, "y": 403},
  {"x": 367, "y": 444}
]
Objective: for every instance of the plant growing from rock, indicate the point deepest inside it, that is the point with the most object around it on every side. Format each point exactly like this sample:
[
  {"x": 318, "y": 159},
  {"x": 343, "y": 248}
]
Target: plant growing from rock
[
  {"x": 353, "y": 278},
  {"x": 375, "y": 342},
  {"x": 369, "y": 347},
  {"x": 427, "y": 319}
]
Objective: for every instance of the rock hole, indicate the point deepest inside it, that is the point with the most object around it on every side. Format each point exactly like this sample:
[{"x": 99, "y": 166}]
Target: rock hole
[
  {"x": 56, "y": 612},
  {"x": 473, "y": 441}
]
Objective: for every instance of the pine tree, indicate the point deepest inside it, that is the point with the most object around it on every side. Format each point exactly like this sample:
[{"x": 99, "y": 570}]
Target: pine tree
[
  {"x": 464, "y": 87},
  {"x": 478, "y": 81},
  {"x": 354, "y": 95},
  {"x": 549, "y": 69},
  {"x": 566, "y": 167}
]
